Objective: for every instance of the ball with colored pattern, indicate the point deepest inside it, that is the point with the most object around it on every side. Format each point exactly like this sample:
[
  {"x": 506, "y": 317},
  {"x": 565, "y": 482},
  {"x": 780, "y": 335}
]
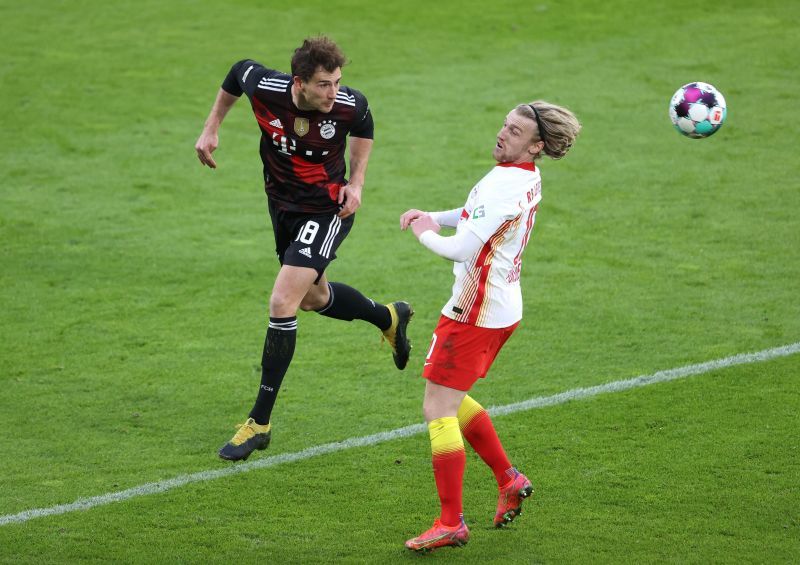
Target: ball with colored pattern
[{"x": 697, "y": 110}]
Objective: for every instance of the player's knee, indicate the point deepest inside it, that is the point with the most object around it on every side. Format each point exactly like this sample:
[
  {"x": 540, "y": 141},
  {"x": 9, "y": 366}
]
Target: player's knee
[
  {"x": 435, "y": 406},
  {"x": 281, "y": 305},
  {"x": 430, "y": 410}
]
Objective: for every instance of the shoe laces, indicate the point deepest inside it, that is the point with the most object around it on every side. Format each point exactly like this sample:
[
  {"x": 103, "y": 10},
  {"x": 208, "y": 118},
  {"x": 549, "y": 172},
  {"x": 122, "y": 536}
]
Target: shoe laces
[{"x": 244, "y": 432}]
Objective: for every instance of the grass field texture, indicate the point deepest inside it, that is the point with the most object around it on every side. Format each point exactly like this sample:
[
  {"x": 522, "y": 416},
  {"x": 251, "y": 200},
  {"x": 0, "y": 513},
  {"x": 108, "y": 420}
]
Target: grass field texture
[{"x": 134, "y": 284}]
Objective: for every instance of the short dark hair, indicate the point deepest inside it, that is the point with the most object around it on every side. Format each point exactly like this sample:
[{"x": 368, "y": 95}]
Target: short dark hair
[{"x": 316, "y": 52}]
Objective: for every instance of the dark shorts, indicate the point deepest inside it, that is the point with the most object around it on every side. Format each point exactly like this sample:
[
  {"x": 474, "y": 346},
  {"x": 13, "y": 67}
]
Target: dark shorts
[
  {"x": 460, "y": 353},
  {"x": 308, "y": 240}
]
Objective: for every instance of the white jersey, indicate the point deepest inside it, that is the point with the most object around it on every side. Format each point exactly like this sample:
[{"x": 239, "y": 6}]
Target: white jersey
[{"x": 500, "y": 210}]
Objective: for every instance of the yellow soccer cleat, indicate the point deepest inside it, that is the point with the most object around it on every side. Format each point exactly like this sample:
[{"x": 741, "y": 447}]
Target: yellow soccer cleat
[{"x": 249, "y": 437}]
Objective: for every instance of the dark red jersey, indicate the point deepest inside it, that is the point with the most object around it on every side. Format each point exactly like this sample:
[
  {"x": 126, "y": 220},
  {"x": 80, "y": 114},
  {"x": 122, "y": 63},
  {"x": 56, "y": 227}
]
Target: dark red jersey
[{"x": 302, "y": 151}]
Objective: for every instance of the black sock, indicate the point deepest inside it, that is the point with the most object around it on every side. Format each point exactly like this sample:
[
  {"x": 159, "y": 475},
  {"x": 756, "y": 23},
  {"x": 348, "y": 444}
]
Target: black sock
[
  {"x": 346, "y": 303},
  {"x": 278, "y": 352}
]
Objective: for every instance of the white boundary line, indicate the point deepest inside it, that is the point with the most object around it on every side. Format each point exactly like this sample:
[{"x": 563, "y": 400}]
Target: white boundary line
[{"x": 374, "y": 439}]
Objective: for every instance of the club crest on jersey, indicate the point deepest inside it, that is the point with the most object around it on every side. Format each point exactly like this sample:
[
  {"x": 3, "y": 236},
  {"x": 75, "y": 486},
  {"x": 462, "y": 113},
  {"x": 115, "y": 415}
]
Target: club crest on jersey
[
  {"x": 327, "y": 129},
  {"x": 301, "y": 126}
]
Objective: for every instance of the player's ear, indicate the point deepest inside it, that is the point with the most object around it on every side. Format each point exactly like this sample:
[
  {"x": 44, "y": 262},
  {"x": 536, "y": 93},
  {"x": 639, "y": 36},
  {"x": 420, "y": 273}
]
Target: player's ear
[
  {"x": 297, "y": 81},
  {"x": 536, "y": 147}
]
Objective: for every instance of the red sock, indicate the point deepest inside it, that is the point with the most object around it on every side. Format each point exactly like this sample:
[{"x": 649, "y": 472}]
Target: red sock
[
  {"x": 480, "y": 433},
  {"x": 449, "y": 459}
]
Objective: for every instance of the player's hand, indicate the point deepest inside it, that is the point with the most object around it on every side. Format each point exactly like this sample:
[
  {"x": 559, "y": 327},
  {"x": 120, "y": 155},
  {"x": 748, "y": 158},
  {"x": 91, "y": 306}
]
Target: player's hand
[
  {"x": 423, "y": 224},
  {"x": 350, "y": 196},
  {"x": 410, "y": 216},
  {"x": 205, "y": 146}
]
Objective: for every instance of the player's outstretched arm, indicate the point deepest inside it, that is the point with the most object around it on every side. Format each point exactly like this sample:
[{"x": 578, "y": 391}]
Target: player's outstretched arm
[{"x": 209, "y": 139}]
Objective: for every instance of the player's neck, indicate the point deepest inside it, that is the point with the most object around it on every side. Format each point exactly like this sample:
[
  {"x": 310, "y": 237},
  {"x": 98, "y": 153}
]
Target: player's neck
[
  {"x": 522, "y": 162},
  {"x": 300, "y": 101}
]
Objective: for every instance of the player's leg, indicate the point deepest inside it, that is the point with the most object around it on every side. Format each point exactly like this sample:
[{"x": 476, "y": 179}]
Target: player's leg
[
  {"x": 477, "y": 428},
  {"x": 342, "y": 302},
  {"x": 447, "y": 447},
  {"x": 321, "y": 239},
  {"x": 291, "y": 285}
]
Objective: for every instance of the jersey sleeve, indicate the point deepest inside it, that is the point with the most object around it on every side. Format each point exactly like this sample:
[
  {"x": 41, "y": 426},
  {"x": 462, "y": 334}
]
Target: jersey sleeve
[
  {"x": 458, "y": 247},
  {"x": 363, "y": 126},
  {"x": 449, "y": 218},
  {"x": 497, "y": 201},
  {"x": 244, "y": 76}
]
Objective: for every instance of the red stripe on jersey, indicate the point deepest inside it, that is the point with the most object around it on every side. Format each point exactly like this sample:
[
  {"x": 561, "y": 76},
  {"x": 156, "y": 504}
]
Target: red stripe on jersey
[
  {"x": 467, "y": 295},
  {"x": 528, "y": 229},
  {"x": 512, "y": 227},
  {"x": 306, "y": 171},
  {"x": 530, "y": 166},
  {"x": 484, "y": 264},
  {"x": 264, "y": 117},
  {"x": 310, "y": 173}
]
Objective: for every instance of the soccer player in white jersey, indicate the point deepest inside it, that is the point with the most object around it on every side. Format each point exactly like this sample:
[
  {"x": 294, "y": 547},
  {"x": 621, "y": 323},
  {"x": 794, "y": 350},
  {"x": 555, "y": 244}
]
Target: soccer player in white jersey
[{"x": 492, "y": 230}]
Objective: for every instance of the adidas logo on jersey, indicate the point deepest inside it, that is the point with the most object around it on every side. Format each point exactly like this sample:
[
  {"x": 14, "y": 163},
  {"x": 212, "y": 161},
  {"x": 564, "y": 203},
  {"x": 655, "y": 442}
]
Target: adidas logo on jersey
[
  {"x": 306, "y": 251},
  {"x": 276, "y": 123}
]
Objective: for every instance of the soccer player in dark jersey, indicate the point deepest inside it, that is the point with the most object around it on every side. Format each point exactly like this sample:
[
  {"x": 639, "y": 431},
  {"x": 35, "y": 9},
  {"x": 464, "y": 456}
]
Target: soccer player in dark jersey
[{"x": 305, "y": 119}]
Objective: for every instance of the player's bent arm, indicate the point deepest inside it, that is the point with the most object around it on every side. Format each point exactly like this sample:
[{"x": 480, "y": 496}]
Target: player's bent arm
[
  {"x": 219, "y": 110},
  {"x": 447, "y": 218},
  {"x": 360, "y": 148},
  {"x": 458, "y": 247},
  {"x": 209, "y": 139},
  {"x": 350, "y": 195}
]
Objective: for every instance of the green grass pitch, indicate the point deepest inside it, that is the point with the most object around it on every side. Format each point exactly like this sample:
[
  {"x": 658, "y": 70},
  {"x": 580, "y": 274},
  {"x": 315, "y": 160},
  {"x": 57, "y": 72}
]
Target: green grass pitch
[{"x": 134, "y": 284}]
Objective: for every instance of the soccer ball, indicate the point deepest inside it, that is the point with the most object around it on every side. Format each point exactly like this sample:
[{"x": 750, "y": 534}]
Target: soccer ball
[{"x": 697, "y": 110}]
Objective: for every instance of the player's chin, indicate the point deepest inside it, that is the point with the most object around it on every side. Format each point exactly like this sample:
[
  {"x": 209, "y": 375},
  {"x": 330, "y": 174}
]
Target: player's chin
[{"x": 325, "y": 108}]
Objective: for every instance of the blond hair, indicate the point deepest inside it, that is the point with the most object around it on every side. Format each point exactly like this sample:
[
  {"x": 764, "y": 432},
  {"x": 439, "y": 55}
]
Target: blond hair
[{"x": 559, "y": 127}]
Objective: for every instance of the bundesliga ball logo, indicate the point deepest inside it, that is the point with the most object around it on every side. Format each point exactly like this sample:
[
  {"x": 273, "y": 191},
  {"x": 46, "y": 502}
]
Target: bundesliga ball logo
[{"x": 697, "y": 110}]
